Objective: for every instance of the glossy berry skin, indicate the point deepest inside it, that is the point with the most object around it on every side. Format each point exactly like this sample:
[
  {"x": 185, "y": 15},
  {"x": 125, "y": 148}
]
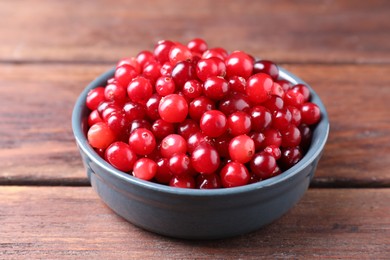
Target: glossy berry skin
[
  {"x": 213, "y": 123},
  {"x": 145, "y": 169},
  {"x": 142, "y": 141},
  {"x": 241, "y": 148},
  {"x": 184, "y": 181},
  {"x": 290, "y": 156},
  {"x": 134, "y": 111},
  {"x": 233, "y": 103},
  {"x": 139, "y": 90},
  {"x": 215, "y": 88},
  {"x": 94, "y": 117},
  {"x": 163, "y": 174},
  {"x": 161, "y": 128},
  {"x": 310, "y": 113},
  {"x": 173, "y": 108},
  {"x": 179, "y": 164},
  {"x": 162, "y": 49},
  {"x": 261, "y": 118},
  {"x": 258, "y": 87},
  {"x": 100, "y": 136},
  {"x": 263, "y": 165},
  {"x": 178, "y": 53},
  {"x": 187, "y": 128},
  {"x": 291, "y": 136},
  {"x": 199, "y": 106},
  {"x": 205, "y": 159},
  {"x": 303, "y": 89},
  {"x": 266, "y": 66},
  {"x": 116, "y": 93},
  {"x": 151, "y": 107},
  {"x": 281, "y": 119},
  {"x": 234, "y": 174},
  {"x": 195, "y": 140},
  {"x": 165, "y": 86},
  {"x": 272, "y": 137},
  {"x": 208, "y": 181},
  {"x": 173, "y": 144},
  {"x": 121, "y": 156},
  {"x": 192, "y": 89},
  {"x": 238, "y": 63},
  {"x": 210, "y": 67},
  {"x": 197, "y": 45},
  {"x": 274, "y": 151},
  {"x": 145, "y": 57},
  {"x": 124, "y": 74},
  {"x": 95, "y": 97},
  {"x": 182, "y": 72},
  {"x": 237, "y": 84},
  {"x": 130, "y": 61},
  {"x": 239, "y": 123},
  {"x": 217, "y": 52}
]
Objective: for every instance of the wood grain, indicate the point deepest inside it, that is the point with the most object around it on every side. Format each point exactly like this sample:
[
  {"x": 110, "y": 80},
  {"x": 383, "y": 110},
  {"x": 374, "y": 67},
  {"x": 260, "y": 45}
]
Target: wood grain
[
  {"x": 37, "y": 144},
  {"x": 71, "y": 222},
  {"x": 345, "y": 31}
]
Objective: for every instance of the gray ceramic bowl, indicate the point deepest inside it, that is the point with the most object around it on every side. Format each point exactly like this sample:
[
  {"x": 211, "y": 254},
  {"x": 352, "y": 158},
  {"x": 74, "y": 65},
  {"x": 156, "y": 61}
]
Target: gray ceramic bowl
[{"x": 197, "y": 214}]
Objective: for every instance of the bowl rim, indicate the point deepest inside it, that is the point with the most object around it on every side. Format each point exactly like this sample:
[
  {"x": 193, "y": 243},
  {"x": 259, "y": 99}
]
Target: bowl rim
[{"x": 313, "y": 152}]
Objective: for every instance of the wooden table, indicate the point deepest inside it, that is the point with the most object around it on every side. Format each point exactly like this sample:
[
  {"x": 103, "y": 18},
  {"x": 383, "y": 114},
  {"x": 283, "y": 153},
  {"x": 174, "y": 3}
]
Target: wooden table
[{"x": 50, "y": 50}]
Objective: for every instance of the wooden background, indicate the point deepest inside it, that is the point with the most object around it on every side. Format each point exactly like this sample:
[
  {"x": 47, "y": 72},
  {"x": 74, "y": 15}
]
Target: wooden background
[{"x": 50, "y": 50}]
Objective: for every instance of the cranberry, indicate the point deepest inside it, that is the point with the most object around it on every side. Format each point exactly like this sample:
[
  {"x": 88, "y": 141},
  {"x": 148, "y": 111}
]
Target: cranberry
[
  {"x": 100, "y": 136},
  {"x": 95, "y": 97},
  {"x": 310, "y": 113},
  {"x": 239, "y": 123},
  {"x": 213, "y": 123},
  {"x": 162, "y": 49},
  {"x": 140, "y": 89},
  {"x": 173, "y": 144},
  {"x": 290, "y": 157},
  {"x": 208, "y": 181},
  {"x": 234, "y": 102},
  {"x": 115, "y": 93},
  {"x": 261, "y": 118},
  {"x": 163, "y": 174},
  {"x": 234, "y": 174},
  {"x": 263, "y": 165},
  {"x": 218, "y": 52},
  {"x": 197, "y": 45},
  {"x": 124, "y": 74},
  {"x": 258, "y": 87},
  {"x": 192, "y": 89},
  {"x": 179, "y": 164},
  {"x": 182, "y": 72},
  {"x": 130, "y": 61},
  {"x": 142, "y": 141},
  {"x": 145, "y": 169},
  {"x": 291, "y": 136},
  {"x": 199, "y": 106},
  {"x": 266, "y": 66},
  {"x": 134, "y": 111},
  {"x": 304, "y": 90},
  {"x": 185, "y": 181},
  {"x": 210, "y": 67},
  {"x": 187, "y": 128},
  {"x": 238, "y": 63},
  {"x": 241, "y": 148},
  {"x": 145, "y": 57},
  {"x": 161, "y": 128},
  {"x": 215, "y": 88},
  {"x": 94, "y": 117},
  {"x": 173, "y": 108},
  {"x": 179, "y": 53},
  {"x": 237, "y": 83},
  {"x": 195, "y": 140},
  {"x": 120, "y": 155},
  {"x": 205, "y": 159}
]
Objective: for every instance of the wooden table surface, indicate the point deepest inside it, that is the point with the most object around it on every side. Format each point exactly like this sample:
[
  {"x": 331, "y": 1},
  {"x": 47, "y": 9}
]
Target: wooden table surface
[{"x": 50, "y": 50}]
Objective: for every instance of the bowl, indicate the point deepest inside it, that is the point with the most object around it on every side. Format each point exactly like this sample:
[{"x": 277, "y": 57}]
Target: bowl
[{"x": 194, "y": 213}]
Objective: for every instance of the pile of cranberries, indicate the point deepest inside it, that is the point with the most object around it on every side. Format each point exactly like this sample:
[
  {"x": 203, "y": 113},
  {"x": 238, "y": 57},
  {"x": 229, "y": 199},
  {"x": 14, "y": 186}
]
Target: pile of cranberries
[{"x": 191, "y": 116}]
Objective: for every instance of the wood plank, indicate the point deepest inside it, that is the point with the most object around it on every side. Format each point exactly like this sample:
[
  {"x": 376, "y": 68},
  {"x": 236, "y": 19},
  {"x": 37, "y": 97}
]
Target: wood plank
[
  {"x": 71, "y": 222},
  {"x": 37, "y": 144},
  {"x": 285, "y": 31}
]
